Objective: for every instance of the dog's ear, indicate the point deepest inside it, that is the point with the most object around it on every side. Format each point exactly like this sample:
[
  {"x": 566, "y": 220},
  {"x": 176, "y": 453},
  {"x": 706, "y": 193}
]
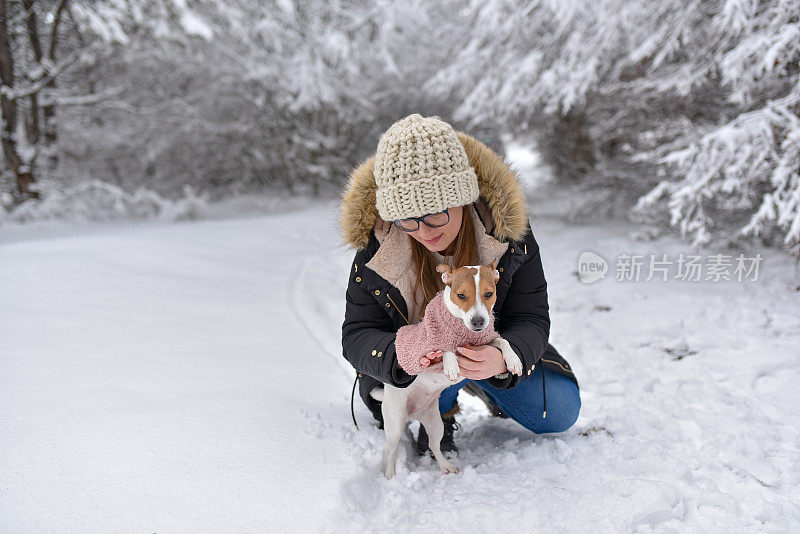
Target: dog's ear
[
  {"x": 495, "y": 272},
  {"x": 446, "y": 271}
]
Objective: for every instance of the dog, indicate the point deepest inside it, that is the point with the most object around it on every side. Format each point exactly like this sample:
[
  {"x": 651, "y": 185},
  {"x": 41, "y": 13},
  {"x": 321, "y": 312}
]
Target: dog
[{"x": 464, "y": 318}]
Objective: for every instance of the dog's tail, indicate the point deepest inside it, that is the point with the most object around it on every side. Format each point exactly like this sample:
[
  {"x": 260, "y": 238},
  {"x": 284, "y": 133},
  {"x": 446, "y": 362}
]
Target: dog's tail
[{"x": 376, "y": 393}]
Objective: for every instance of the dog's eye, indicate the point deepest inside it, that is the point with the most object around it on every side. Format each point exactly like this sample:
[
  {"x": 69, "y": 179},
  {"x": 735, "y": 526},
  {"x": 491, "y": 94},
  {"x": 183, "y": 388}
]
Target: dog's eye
[
  {"x": 462, "y": 296},
  {"x": 489, "y": 294}
]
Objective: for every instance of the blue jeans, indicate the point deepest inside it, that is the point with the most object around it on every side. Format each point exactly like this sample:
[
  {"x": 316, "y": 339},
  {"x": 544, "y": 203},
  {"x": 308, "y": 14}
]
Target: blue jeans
[{"x": 523, "y": 403}]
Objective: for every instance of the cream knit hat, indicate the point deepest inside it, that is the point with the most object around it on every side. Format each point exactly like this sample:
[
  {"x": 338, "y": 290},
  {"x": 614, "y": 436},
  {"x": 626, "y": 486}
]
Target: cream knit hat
[{"x": 421, "y": 167}]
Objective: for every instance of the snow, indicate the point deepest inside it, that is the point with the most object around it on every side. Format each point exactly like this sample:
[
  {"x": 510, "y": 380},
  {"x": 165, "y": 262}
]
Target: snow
[
  {"x": 530, "y": 168},
  {"x": 191, "y": 23},
  {"x": 188, "y": 376}
]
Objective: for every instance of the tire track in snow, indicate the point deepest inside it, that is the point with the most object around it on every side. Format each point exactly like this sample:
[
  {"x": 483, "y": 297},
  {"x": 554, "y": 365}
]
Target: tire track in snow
[{"x": 308, "y": 307}]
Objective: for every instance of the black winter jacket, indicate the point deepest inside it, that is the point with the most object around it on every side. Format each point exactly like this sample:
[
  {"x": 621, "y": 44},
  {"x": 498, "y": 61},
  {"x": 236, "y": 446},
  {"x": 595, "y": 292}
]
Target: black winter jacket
[{"x": 376, "y": 308}]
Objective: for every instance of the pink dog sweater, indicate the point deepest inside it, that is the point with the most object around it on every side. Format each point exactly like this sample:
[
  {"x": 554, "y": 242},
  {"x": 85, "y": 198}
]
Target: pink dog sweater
[{"x": 438, "y": 330}]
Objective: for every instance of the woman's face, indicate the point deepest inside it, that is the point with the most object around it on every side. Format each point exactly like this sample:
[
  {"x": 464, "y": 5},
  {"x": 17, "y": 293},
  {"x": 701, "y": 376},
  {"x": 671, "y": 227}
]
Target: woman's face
[{"x": 438, "y": 239}]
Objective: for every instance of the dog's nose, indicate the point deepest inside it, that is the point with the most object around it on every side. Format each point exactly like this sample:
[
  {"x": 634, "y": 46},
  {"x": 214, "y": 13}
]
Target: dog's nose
[{"x": 477, "y": 322}]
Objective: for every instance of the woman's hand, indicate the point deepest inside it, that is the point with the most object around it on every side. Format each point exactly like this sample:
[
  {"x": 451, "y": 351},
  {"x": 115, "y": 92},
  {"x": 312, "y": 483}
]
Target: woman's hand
[
  {"x": 481, "y": 361},
  {"x": 475, "y": 362},
  {"x": 431, "y": 358}
]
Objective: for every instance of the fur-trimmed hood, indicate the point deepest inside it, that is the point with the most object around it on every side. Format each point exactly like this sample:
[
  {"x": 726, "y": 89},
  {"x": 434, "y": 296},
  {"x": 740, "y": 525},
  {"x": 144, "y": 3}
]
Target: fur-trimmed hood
[{"x": 500, "y": 192}]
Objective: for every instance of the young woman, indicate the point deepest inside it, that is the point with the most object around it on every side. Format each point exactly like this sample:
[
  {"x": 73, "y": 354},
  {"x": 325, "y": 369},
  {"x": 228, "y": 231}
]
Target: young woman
[{"x": 432, "y": 195}]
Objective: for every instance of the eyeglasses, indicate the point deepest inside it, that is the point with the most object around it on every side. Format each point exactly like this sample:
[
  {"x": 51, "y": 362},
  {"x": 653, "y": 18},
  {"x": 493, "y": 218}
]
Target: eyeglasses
[{"x": 432, "y": 220}]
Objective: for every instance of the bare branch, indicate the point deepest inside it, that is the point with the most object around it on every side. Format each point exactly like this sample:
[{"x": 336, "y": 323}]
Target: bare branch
[
  {"x": 33, "y": 30},
  {"x": 54, "y": 33},
  {"x": 14, "y": 94},
  {"x": 80, "y": 100},
  {"x": 22, "y": 16}
]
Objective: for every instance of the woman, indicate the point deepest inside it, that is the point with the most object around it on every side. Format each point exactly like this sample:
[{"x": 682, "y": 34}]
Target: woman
[{"x": 432, "y": 195}]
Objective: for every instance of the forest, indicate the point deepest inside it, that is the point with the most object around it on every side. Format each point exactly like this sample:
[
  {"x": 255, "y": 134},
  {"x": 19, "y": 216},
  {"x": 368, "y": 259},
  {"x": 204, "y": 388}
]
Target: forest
[{"x": 683, "y": 116}]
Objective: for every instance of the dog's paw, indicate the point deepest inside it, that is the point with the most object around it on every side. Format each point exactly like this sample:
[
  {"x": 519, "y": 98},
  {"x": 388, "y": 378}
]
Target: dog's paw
[
  {"x": 451, "y": 373},
  {"x": 448, "y": 468},
  {"x": 450, "y": 366},
  {"x": 388, "y": 469},
  {"x": 514, "y": 365}
]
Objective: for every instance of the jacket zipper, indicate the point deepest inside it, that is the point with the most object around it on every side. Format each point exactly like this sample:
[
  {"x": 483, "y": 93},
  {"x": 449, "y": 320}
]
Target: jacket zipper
[{"x": 396, "y": 308}]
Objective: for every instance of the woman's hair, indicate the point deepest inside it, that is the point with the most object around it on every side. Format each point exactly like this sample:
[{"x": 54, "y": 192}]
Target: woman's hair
[{"x": 465, "y": 253}]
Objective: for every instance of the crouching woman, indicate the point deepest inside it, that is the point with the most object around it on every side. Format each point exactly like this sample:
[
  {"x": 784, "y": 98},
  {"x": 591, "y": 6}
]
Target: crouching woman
[{"x": 432, "y": 195}]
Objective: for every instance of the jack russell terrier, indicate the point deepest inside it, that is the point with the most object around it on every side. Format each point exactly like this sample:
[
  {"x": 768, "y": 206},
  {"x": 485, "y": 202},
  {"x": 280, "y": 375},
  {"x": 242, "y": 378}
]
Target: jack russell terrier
[{"x": 459, "y": 315}]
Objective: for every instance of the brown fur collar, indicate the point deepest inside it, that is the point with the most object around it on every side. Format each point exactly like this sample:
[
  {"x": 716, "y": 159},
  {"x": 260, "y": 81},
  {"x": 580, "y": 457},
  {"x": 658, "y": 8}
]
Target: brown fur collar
[{"x": 498, "y": 184}]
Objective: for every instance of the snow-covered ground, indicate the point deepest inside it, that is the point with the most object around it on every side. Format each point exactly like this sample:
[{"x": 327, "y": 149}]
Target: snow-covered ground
[{"x": 188, "y": 377}]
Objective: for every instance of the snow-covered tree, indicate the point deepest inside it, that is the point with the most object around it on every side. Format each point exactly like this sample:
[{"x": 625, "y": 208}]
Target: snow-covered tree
[
  {"x": 48, "y": 49},
  {"x": 285, "y": 95},
  {"x": 686, "y": 112},
  {"x": 748, "y": 166},
  {"x": 692, "y": 102},
  {"x": 23, "y": 79}
]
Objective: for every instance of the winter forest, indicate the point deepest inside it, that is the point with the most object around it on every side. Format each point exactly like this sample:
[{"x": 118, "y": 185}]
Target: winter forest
[
  {"x": 173, "y": 278},
  {"x": 678, "y": 114}
]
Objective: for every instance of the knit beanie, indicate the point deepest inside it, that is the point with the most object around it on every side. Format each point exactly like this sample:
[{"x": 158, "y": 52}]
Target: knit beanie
[{"x": 421, "y": 167}]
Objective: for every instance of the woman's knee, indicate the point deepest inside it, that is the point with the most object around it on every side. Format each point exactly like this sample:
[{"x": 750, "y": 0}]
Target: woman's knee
[
  {"x": 565, "y": 408},
  {"x": 527, "y": 406},
  {"x": 559, "y": 413}
]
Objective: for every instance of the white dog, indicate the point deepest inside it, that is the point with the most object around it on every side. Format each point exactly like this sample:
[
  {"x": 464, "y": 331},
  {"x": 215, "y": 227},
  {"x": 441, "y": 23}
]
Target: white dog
[{"x": 460, "y": 315}]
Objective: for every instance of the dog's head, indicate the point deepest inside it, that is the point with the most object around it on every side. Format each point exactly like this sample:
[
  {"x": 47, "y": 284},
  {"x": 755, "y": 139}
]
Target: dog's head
[{"x": 469, "y": 292}]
